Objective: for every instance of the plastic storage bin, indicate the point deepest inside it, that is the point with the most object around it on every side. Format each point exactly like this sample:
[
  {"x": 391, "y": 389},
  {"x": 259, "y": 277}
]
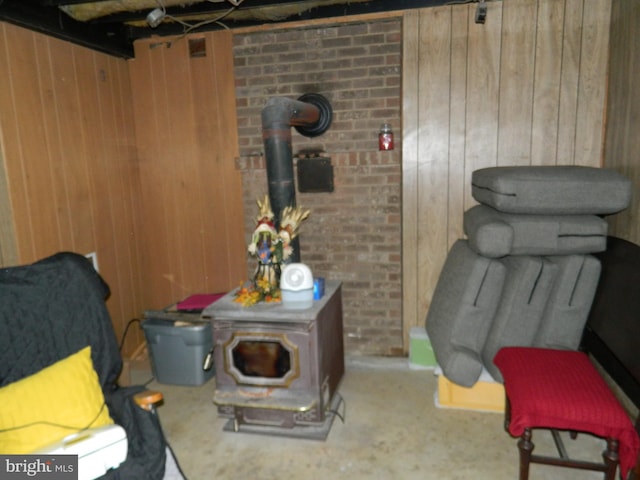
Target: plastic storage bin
[
  {"x": 421, "y": 354},
  {"x": 178, "y": 350}
]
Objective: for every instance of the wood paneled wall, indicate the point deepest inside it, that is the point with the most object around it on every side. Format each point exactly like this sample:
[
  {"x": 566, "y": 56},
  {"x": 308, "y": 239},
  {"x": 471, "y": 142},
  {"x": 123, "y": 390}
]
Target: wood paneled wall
[
  {"x": 69, "y": 179},
  {"x": 184, "y": 103},
  {"x": 622, "y": 145},
  {"x": 525, "y": 88}
]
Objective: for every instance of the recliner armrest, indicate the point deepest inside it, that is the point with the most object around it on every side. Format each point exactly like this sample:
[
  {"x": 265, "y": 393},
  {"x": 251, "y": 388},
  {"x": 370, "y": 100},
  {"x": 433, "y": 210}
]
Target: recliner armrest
[{"x": 148, "y": 399}]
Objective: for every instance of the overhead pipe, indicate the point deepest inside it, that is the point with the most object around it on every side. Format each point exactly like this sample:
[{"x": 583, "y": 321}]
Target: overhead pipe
[{"x": 311, "y": 115}]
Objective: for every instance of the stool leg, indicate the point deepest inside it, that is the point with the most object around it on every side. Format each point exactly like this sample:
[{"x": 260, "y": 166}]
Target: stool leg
[
  {"x": 611, "y": 459},
  {"x": 525, "y": 446}
]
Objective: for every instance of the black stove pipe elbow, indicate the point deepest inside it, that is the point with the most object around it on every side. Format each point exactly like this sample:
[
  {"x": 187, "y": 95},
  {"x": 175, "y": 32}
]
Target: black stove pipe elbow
[{"x": 311, "y": 115}]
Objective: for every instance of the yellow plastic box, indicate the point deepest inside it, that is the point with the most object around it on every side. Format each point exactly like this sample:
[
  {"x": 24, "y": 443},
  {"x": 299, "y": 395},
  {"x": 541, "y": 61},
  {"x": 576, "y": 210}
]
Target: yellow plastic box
[{"x": 486, "y": 395}]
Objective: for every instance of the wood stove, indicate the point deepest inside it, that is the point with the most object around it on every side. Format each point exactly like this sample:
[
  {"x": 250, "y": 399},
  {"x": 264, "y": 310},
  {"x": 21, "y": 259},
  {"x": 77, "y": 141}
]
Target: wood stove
[{"x": 278, "y": 369}]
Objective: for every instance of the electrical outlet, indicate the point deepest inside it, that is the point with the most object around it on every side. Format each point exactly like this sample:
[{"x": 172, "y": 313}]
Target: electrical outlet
[{"x": 93, "y": 256}]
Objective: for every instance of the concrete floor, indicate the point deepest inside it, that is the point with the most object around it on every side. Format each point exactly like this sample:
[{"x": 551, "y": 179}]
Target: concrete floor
[{"x": 392, "y": 430}]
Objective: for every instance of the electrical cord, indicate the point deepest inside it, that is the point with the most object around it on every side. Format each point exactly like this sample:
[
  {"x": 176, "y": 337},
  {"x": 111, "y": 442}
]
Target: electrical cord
[
  {"x": 124, "y": 336},
  {"x": 54, "y": 424},
  {"x": 126, "y": 330},
  {"x": 189, "y": 27},
  {"x": 342, "y": 415},
  {"x": 146, "y": 384},
  {"x": 211, "y": 20}
]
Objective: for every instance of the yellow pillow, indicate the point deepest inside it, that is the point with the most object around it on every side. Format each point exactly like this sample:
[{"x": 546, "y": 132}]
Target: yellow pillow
[{"x": 43, "y": 405}]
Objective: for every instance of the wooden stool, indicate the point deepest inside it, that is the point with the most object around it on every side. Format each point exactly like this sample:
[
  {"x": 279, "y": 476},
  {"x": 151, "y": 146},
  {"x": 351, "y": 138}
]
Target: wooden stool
[{"x": 562, "y": 390}]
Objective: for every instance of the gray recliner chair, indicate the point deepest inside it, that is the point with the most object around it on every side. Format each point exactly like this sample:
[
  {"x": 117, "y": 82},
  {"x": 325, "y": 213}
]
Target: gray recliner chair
[{"x": 537, "y": 227}]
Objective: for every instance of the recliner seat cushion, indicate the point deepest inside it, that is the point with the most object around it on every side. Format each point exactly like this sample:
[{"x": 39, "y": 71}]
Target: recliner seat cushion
[
  {"x": 464, "y": 302},
  {"x": 495, "y": 234},
  {"x": 552, "y": 190},
  {"x": 570, "y": 302},
  {"x": 527, "y": 288}
]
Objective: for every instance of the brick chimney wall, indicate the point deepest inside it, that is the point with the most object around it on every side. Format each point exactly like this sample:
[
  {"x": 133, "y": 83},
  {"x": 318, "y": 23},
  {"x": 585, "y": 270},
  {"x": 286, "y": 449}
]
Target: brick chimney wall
[{"x": 353, "y": 233}]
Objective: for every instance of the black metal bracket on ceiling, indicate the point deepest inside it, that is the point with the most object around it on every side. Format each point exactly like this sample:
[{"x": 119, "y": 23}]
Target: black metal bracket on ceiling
[{"x": 114, "y": 34}]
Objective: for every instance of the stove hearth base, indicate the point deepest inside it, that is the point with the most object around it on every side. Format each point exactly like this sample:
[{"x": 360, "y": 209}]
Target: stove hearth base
[{"x": 305, "y": 432}]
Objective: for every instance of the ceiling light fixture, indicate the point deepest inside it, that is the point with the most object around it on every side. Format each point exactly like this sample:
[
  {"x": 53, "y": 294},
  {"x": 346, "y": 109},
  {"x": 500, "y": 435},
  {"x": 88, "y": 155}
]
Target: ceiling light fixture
[{"x": 155, "y": 17}]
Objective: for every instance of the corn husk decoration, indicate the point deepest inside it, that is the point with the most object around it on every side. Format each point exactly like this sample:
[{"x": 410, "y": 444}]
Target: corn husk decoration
[
  {"x": 269, "y": 245},
  {"x": 292, "y": 218},
  {"x": 272, "y": 248},
  {"x": 265, "y": 229}
]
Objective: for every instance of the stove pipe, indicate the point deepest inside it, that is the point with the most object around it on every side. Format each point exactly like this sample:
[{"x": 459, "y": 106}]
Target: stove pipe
[{"x": 311, "y": 115}]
